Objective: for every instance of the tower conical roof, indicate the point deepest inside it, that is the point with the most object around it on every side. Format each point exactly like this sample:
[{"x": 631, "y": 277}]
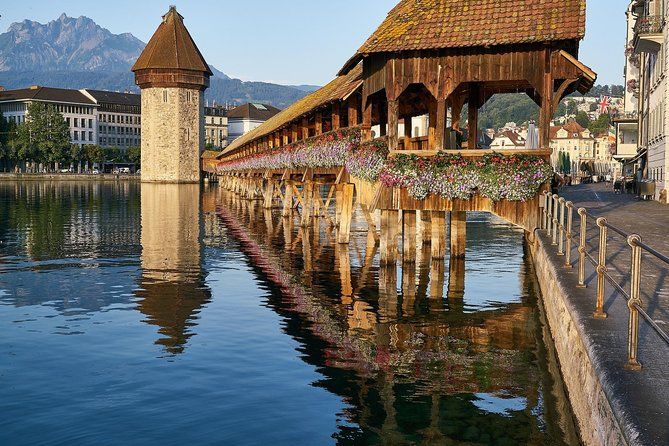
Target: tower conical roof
[{"x": 172, "y": 47}]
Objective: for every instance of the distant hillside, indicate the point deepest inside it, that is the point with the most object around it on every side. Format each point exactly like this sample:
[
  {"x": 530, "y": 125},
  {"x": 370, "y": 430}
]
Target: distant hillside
[{"x": 78, "y": 53}]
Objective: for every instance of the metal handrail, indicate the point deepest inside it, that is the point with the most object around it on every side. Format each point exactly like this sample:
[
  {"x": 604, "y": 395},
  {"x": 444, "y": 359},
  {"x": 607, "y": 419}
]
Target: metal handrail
[{"x": 557, "y": 221}]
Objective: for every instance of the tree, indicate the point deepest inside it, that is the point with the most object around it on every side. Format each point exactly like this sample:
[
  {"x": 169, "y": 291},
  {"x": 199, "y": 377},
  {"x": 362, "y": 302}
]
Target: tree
[
  {"x": 582, "y": 119},
  {"x": 44, "y": 137},
  {"x": 134, "y": 155},
  {"x": 600, "y": 125},
  {"x": 94, "y": 154}
]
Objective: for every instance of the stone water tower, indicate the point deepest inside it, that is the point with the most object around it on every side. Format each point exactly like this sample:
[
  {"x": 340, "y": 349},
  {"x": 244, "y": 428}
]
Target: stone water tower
[{"x": 172, "y": 75}]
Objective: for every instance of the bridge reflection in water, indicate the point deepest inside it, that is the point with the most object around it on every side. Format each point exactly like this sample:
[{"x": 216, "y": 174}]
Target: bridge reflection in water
[
  {"x": 431, "y": 352},
  {"x": 415, "y": 360}
]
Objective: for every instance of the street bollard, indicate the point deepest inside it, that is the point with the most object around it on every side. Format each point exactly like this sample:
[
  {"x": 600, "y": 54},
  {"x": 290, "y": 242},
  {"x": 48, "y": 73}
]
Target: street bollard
[
  {"x": 561, "y": 227},
  {"x": 556, "y": 212}
]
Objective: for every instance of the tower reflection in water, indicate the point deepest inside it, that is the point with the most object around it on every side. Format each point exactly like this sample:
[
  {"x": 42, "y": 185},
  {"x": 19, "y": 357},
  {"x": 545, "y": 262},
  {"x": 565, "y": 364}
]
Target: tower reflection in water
[
  {"x": 417, "y": 359},
  {"x": 172, "y": 285}
]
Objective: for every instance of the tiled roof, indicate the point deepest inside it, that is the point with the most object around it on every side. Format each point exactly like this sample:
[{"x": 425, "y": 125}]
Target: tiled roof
[
  {"x": 339, "y": 89},
  {"x": 112, "y": 97},
  {"x": 172, "y": 47},
  {"x": 253, "y": 111},
  {"x": 435, "y": 24},
  {"x": 573, "y": 129},
  {"x": 38, "y": 93}
]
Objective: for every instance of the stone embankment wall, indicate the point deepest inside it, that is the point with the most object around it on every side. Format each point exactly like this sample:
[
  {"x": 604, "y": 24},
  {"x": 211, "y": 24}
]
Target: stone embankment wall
[{"x": 596, "y": 420}]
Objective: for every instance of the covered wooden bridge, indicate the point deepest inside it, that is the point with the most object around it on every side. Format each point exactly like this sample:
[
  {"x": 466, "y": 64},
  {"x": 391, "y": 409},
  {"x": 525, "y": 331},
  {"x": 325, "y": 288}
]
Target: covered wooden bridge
[{"x": 388, "y": 132}]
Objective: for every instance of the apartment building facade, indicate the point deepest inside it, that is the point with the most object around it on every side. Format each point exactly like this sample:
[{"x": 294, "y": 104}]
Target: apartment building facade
[
  {"x": 216, "y": 126},
  {"x": 119, "y": 118},
  {"x": 648, "y": 44}
]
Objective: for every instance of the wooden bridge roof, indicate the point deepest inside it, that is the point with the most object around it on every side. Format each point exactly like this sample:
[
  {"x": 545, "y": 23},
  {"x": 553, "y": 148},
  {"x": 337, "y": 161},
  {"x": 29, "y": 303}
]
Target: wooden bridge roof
[
  {"x": 172, "y": 47},
  {"x": 338, "y": 89},
  {"x": 438, "y": 24}
]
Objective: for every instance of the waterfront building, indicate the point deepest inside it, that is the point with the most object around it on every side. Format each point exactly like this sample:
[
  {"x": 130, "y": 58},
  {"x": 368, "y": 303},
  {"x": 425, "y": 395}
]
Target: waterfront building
[
  {"x": 573, "y": 141},
  {"x": 247, "y": 117},
  {"x": 172, "y": 75},
  {"x": 507, "y": 139},
  {"x": 216, "y": 126},
  {"x": 78, "y": 109},
  {"x": 118, "y": 118},
  {"x": 648, "y": 43}
]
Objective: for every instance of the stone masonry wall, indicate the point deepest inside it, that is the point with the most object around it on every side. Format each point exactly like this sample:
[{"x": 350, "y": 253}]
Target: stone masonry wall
[
  {"x": 592, "y": 410},
  {"x": 172, "y": 135}
]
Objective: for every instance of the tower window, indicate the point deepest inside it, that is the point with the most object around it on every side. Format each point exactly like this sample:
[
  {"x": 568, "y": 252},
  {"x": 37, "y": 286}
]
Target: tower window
[
  {"x": 165, "y": 96},
  {"x": 188, "y": 96}
]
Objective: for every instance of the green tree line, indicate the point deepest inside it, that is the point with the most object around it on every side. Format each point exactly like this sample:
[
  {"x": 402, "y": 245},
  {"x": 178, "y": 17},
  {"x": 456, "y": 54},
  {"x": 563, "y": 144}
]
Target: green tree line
[{"x": 44, "y": 139}]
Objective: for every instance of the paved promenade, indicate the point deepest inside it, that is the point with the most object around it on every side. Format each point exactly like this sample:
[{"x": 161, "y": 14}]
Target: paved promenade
[{"x": 640, "y": 399}]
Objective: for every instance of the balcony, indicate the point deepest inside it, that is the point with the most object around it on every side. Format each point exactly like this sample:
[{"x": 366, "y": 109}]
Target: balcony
[{"x": 648, "y": 34}]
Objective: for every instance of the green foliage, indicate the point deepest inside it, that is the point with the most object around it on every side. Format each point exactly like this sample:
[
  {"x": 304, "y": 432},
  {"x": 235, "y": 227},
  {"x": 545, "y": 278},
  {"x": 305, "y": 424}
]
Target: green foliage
[
  {"x": 134, "y": 155},
  {"x": 44, "y": 137},
  {"x": 601, "y": 125},
  {"x": 94, "y": 154},
  {"x": 500, "y": 109},
  {"x": 209, "y": 146},
  {"x": 582, "y": 119}
]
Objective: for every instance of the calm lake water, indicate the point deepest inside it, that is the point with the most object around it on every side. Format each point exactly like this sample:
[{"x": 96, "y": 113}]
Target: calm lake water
[{"x": 171, "y": 315}]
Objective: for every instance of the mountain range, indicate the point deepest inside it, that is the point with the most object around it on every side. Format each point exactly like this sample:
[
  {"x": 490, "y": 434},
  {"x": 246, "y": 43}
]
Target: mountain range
[{"x": 78, "y": 53}]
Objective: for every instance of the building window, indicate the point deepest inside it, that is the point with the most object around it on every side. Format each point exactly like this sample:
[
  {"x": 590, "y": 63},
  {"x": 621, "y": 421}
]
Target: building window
[
  {"x": 188, "y": 96},
  {"x": 76, "y": 135},
  {"x": 90, "y": 136},
  {"x": 76, "y": 122},
  {"x": 165, "y": 96}
]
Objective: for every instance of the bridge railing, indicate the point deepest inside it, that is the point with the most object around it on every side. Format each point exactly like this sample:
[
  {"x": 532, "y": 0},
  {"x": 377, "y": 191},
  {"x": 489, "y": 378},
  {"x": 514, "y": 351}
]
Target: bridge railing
[{"x": 558, "y": 223}]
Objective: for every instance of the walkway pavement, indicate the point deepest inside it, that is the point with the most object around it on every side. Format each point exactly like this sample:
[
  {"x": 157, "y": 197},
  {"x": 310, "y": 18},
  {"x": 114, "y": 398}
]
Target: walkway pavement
[{"x": 640, "y": 399}]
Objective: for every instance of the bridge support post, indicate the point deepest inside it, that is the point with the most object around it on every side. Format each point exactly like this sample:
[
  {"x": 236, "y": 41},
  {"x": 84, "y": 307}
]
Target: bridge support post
[
  {"x": 409, "y": 236},
  {"x": 438, "y": 234},
  {"x": 307, "y": 203},
  {"x": 287, "y": 211},
  {"x": 437, "y": 270},
  {"x": 389, "y": 233},
  {"x": 458, "y": 234},
  {"x": 268, "y": 193},
  {"x": 346, "y": 215},
  {"x": 426, "y": 227},
  {"x": 456, "y": 278}
]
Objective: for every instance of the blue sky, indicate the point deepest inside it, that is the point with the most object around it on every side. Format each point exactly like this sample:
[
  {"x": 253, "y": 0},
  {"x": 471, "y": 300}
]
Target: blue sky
[{"x": 293, "y": 41}]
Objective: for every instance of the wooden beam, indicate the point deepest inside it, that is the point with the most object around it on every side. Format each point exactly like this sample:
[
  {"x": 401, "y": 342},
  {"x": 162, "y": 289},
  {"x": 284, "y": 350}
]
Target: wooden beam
[
  {"x": 336, "y": 116},
  {"x": 389, "y": 233},
  {"x": 473, "y": 115},
  {"x": 408, "y": 130},
  {"x": 440, "y": 128},
  {"x": 458, "y": 233},
  {"x": 319, "y": 123},
  {"x": 346, "y": 215},
  {"x": 438, "y": 235},
  {"x": 409, "y": 236},
  {"x": 367, "y": 121},
  {"x": 353, "y": 111},
  {"x": 393, "y": 124}
]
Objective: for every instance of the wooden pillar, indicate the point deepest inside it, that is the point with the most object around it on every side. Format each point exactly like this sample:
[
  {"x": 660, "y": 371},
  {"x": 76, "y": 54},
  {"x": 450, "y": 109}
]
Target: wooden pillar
[
  {"x": 432, "y": 121},
  {"x": 319, "y": 123},
  {"x": 473, "y": 115},
  {"x": 344, "y": 260},
  {"x": 304, "y": 129},
  {"x": 393, "y": 124},
  {"x": 268, "y": 193},
  {"x": 346, "y": 215},
  {"x": 437, "y": 279},
  {"x": 408, "y": 288},
  {"x": 294, "y": 134},
  {"x": 407, "y": 132},
  {"x": 367, "y": 120},
  {"x": 284, "y": 137},
  {"x": 336, "y": 116},
  {"x": 389, "y": 233},
  {"x": 307, "y": 203},
  {"x": 287, "y": 211},
  {"x": 458, "y": 233},
  {"x": 426, "y": 227},
  {"x": 438, "y": 235},
  {"x": 306, "y": 250},
  {"x": 546, "y": 112},
  {"x": 409, "y": 236},
  {"x": 456, "y": 278},
  {"x": 352, "y": 111},
  {"x": 440, "y": 129}
]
